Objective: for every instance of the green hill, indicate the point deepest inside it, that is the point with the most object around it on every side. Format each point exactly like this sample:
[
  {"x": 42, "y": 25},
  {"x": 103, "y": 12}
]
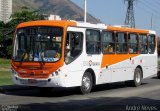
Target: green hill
[{"x": 64, "y": 8}]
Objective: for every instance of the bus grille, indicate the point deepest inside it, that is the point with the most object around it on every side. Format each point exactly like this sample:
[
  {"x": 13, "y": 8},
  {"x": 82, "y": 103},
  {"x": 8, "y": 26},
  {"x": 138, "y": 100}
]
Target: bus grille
[{"x": 34, "y": 75}]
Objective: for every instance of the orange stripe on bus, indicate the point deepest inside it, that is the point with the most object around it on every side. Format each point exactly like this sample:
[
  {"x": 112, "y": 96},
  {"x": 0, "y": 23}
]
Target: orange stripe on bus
[
  {"x": 126, "y": 29},
  {"x": 111, "y": 59}
]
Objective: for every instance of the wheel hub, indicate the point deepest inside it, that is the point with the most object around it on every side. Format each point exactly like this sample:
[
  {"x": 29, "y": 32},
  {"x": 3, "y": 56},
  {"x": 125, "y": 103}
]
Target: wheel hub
[{"x": 86, "y": 83}]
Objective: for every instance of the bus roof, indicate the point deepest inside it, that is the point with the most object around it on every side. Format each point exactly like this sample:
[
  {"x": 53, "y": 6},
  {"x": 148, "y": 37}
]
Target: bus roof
[
  {"x": 127, "y": 29},
  {"x": 66, "y": 23},
  {"x": 60, "y": 23}
]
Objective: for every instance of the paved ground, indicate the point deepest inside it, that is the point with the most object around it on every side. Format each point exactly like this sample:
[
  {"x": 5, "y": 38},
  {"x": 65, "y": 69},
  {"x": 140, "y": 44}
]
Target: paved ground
[{"x": 115, "y": 97}]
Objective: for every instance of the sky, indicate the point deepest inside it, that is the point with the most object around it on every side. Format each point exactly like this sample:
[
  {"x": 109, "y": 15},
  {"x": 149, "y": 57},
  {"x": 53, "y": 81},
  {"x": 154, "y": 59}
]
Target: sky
[{"x": 113, "y": 12}]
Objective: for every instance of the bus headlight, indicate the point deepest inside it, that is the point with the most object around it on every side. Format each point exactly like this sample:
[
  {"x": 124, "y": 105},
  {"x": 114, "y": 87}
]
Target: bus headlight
[{"x": 56, "y": 73}]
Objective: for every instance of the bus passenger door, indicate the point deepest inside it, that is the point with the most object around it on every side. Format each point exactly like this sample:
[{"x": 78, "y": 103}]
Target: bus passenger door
[{"x": 74, "y": 56}]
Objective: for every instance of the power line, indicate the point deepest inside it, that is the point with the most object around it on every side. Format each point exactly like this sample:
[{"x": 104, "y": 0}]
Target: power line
[
  {"x": 154, "y": 5},
  {"x": 153, "y": 26},
  {"x": 150, "y": 7},
  {"x": 157, "y": 2},
  {"x": 149, "y": 10}
]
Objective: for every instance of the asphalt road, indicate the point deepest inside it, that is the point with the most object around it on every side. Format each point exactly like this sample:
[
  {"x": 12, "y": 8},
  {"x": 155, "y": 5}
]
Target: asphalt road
[{"x": 108, "y": 97}]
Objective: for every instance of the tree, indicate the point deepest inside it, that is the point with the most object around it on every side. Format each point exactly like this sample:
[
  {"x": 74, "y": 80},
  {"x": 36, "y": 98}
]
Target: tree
[
  {"x": 1, "y": 38},
  {"x": 25, "y": 15},
  {"x": 7, "y": 30}
]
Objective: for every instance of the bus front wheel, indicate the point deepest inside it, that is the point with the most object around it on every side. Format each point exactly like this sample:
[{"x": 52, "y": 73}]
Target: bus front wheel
[{"x": 87, "y": 83}]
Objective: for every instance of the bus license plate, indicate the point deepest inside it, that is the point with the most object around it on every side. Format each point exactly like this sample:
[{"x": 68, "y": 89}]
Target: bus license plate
[{"x": 32, "y": 81}]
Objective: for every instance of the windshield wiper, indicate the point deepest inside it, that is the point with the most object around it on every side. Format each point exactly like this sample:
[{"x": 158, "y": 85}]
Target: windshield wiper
[
  {"x": 23, "y": 57},
  {"x": 41, "y": 50},
  {"x": 42, "y": 58}
]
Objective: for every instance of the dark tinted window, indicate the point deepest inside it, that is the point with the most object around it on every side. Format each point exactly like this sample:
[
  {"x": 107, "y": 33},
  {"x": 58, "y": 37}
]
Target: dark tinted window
[
  {"x": 143, "y": 44},
  {"x": 133, "y": 43},
  {"x": 108, "y": 42},
  {"x": 74, "y": 45},
  {"x": 93, "y": 43},
  {"x": 38, "y": 44},
  {"x": 121, "y": 42},
  {"x": 151, "y": 44}
]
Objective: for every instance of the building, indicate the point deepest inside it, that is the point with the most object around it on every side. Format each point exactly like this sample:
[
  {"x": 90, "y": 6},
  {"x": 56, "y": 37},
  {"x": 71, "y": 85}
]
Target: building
[
  {"x": 54, "y": 17},
  {"x": 51, "y": 17},
  {"x": 5, "y": 10}
]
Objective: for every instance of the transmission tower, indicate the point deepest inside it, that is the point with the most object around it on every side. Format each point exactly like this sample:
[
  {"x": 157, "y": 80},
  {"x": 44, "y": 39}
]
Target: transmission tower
[{"x": 130, "y": 21}]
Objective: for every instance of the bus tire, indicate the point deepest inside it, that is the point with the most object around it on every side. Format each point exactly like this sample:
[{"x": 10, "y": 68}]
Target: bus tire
[
  {"x": 137, "y": 77},
  {"x": 87, "y": 83},
  {"x": 158, "y": 75}
]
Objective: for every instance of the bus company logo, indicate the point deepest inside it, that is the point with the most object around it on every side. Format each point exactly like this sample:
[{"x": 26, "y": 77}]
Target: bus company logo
[{"x": 91, "y": 63}]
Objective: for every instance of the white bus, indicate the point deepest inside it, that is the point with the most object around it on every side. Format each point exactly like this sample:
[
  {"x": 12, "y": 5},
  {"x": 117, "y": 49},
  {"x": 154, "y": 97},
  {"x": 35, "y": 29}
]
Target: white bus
[{"x": 71, "y": 54}]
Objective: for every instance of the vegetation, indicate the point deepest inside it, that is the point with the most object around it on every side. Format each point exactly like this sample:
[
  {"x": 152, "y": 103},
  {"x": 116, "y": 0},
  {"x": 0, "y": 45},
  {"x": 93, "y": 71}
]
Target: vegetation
[
  {"x": 5, "y": 72},
  {"x": 7, "y": 30}
]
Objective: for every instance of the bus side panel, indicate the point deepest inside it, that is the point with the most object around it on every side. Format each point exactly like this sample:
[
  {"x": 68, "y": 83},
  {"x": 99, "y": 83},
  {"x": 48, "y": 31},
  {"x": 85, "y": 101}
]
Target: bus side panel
[
  {"x": 149, "y": 65},
  {"x": 121, "y": 66},
  {"x": 77, "y": 68},
  {"x": 105, "y": 76},
  {"x": 122, "y": 71}
]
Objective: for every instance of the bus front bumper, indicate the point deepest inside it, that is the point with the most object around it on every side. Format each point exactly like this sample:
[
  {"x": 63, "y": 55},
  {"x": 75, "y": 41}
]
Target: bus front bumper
[{"x": 49, "y": 82}]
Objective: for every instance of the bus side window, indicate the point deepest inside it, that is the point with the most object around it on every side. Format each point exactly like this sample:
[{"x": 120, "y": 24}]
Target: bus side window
[
  {"x": 151, "y": 44},
  {"x": 74, "y": 45},
  {"x": 121, "y": 42},
  {"x": 93, "y": 42},
  {"x": 133, "y": 43},
  {"x": 143, "y": 44},
  {"x": 108, "y": 42}
]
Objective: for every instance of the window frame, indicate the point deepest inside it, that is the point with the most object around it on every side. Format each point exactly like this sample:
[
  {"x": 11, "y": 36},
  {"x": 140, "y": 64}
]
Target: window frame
[
  {"x": 151, "y": 35},
  {"x": 99, "y": 31},
  {"x": 113, "y": 42},
  {"x": 128, "y": 35},
  {"x": 142, "y": 35},
  {"x": 31, "y": 35},
  {"x": 116, "y": 43},
  {"x": 66, "y": 43}
]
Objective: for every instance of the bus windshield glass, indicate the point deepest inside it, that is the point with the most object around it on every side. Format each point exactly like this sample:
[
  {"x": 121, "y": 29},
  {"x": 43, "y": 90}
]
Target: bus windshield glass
[{"x": 38, "y": 44}]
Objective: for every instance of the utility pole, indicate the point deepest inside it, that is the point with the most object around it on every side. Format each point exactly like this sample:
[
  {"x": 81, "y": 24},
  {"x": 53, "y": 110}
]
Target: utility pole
[
  {"x": 130, "y": 20},
  {"x": 85, "y": 11}
]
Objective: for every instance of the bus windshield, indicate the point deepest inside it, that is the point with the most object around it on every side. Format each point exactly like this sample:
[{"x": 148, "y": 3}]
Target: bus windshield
[{"x": 41, "y": 44}]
